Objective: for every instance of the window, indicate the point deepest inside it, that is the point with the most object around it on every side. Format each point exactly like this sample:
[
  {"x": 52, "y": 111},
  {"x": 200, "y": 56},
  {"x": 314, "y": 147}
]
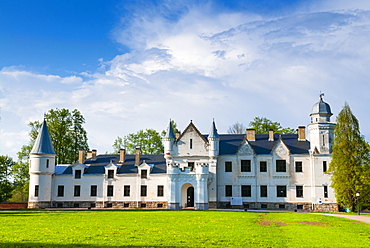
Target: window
[
  {"x": 281, "y": 206},
  {"x": 160, "y": 190},
  {"x": 77, "y": 174},
  {"x": 110, "y": 190},
  {"x": 36, "y": 190},
  {"x": 143, "y": 190},
  {"x": 109, "y": 205},
  {"x": 324, "y": 166},
  {"x": 126, "y": 205},
  {"x": 144, "y": 174},
  {"x": 47, "y": 163},
  {"x": 228, "y": 190},
  {"x": 263, "y": 166},
  {"x": 60, "y": 190},
  {"x": 76, "y": 205},
  {"x": 280, "y": 166},
  {"x": 299, "y": 191},
  {"x": 263, "y": 190},
  {"x": 191, "y": 166},
  {"x": 93, "y": 190},
  {"x": 299, "y": 206},
  {"x": 245, "y": 166},
  {"x": 126, "y": 190},
  {"x": 325, "y": 191},
  {"x": 246, "y": 191},
  {"x": 191, "y": 143},
  {"x": 228, "y": 166},
  {"x": 264, "y": 206},
  {"x": 281, "y": 191},
  {"x": 92, "y": 205},
  {"x": 143, "y": 205},
  {"x": 160, "y": 205},
  {"x": 77, "y": 190},
  {"x": 110, "y": 173},
  {"x": 298, "y": 166}
]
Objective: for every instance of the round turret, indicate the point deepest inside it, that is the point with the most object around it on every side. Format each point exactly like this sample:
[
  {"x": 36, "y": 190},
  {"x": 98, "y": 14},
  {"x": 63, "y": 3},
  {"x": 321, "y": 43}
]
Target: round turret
[{"x": 321, "y": 111}]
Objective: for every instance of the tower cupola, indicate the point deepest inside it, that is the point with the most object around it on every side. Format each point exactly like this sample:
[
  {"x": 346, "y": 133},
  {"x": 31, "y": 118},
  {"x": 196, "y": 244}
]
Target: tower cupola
[{"x": 321, "y": 111}]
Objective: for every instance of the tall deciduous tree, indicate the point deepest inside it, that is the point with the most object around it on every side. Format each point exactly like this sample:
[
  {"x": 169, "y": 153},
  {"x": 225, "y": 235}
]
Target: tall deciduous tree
[
  {"x": 236, "y": 128},
  {"x": 350, "y": 168},
  {"x": 262, "y": 125},
  {"x": 6, "y": 187}
]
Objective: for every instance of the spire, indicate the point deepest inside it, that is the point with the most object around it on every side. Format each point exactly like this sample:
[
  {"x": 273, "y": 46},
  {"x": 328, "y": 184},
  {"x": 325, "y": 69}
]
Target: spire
[
  {"x": 43, "y": 143},
  {"x": 213, "y": 133},
  {"x": 169, "y": 132}
]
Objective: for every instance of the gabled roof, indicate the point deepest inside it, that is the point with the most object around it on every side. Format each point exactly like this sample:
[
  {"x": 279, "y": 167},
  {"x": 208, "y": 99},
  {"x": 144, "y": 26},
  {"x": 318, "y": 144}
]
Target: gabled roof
[
  {"x": 189, "y": 127},
  {"x": 229, "y": 143},
  {"x": 97, "y": 166},
  {"x": 43, "y": 144}
]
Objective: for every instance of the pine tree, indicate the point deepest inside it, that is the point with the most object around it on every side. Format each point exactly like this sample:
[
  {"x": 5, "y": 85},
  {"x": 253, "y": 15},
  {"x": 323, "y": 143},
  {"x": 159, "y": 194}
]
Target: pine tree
[{"x": 350, "y": 168}]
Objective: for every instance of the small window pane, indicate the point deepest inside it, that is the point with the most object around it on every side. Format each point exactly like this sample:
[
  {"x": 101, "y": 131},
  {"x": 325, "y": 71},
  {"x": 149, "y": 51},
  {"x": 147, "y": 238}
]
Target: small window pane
[
  {"x": 126, "y": 190},
  {"x": 228, "y": 190},
  {"x": 245, "y": 166},
  {"x": 160, "y": 190},
  {"x": 280, "y": 166},
  {"x": 299, "y": 191},
  {"x": 263, "y": 166},
  {"x": 281, "y": 191},
  {"x": 93, "y": 190},
  {"x": 77, "y": 190},
  {"x": 110, "y": 190},
  {"x": 144, "y": 174},
  {"x": 143, "y": 190},
  {"x": 263, "y": 190},
  {"x": 77, "y": 174},
  {"x": 228, "y": 166},
  {"x": 60, "y": 190},
  {"x": 298, "y": 166},
  {"x": 110, "y": 173},
  {"x": 246, "y": 191},
  {"x": 36, "y": 190}
]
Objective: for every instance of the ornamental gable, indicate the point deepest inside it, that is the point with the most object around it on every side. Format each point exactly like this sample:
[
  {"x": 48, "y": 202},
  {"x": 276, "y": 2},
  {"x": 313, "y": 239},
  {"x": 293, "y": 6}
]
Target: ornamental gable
[
  {"x": 281, "y": 150},
  {"x": 245, "y": 149},
  {"x": 192, "y": 142}
]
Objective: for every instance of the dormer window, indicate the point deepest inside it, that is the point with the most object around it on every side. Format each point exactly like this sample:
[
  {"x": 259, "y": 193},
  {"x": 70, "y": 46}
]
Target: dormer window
[
  {"x": 144, "y": 174},
  {"x": 77, "y": 174},
  {"x": 110, "y": 173}
]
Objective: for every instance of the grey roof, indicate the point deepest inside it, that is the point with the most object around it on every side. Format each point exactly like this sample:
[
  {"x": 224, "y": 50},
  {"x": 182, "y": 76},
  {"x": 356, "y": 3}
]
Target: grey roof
[
  {"x": 169, "y": 132},
  {"x": 43, "y": 144},
  {"x": 321, "y": 107},
  {"x": 97, "y": 166},
  {"x": 213, "y": 133},
  {"x": 229, "y": 143}
]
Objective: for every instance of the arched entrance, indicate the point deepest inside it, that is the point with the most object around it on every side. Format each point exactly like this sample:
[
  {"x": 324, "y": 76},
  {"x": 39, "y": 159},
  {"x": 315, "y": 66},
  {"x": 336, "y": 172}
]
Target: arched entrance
[{"x": 190, "y": 197}]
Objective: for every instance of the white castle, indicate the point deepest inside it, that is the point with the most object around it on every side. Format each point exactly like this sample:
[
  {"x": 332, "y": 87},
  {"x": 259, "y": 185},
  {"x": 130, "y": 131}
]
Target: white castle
[{"x": 200, "y": 171}]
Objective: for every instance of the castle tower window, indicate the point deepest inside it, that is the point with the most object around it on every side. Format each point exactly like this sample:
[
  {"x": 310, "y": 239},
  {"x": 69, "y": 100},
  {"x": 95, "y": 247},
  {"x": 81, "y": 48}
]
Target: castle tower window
[
  {"x": 263, "y": 166},
  {"x": 324, "y": 166},
  {"x": 326, "y": 191},
  {"x": 77, "y": 190},
  {"x": 245, "y": 166},
  {"x": 93, "y": 190},
  {"x": 298, "y": 166},
  {"x": 191, "y": 166},
  {"x": 77, "y": 174},
  {"x": 191, "y": 143},
  {"x": 60, "y": 190},
  {"x": 36, "y": 190},
  {"x": 126, "y": 190},
  {"x": 280, "y": 166},
  {"x": 110, "y": 190},
  {"x": 47, "y": 163}
]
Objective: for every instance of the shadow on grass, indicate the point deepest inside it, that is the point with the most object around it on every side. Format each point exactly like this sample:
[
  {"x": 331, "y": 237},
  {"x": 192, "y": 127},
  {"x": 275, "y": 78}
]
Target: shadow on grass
[{"x": 15, "y": 244}]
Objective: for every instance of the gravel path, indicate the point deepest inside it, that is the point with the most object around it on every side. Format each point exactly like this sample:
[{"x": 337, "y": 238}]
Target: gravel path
[{"x": 362, "y": 218}]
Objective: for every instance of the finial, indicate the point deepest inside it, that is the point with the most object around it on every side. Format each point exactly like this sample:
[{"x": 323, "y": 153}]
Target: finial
[{"x": 321, "y": 95}]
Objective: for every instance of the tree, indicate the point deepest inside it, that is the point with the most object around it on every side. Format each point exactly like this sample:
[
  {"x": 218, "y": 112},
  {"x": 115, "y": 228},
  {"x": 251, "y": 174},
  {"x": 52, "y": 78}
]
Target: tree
[
  {"x": 350, "y": 164},
  {"x": 236, "y": 128},
  {"x": 6, "y": 187},
  {"x": 262, "y": 125},
  {"x": 149, "y": 141},
  {"x": 20, "y": 181}
]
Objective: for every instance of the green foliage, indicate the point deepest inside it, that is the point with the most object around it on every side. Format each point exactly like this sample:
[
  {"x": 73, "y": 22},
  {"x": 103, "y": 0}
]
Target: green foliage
[
  {"x": 350, "y": 165},
  {"x": 140, "y": 228},
  {"x": 262, "y": 125},
  {"x": 20, "y": 181},
  {"x": 6, "y": 188},
  {"x": 149, "y": 141}
]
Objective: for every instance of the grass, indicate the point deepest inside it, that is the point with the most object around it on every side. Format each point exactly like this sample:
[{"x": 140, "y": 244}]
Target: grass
[{"x": 158, "y": 228}]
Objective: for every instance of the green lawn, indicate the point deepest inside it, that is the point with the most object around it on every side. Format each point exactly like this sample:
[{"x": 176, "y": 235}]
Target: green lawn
[{"x": 154, "y": 228}]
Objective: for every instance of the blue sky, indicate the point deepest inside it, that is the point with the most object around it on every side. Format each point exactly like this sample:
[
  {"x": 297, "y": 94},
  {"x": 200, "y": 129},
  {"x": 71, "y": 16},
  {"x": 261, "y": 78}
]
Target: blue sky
[{"x": 130, "y": 65}]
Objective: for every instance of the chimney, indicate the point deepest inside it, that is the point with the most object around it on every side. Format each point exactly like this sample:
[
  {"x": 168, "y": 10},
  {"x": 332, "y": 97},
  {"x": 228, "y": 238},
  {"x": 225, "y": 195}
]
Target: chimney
[
  {"x": 137, "y": 156},
  {"x": 81, "y": 156},
  {"x": 122, "y": 153},
  {"x": 89, "y": 154},
  {"x": 178, "y": 134},
  {"x": 301, "y": 133},
  {"x": 93, "y": 154},
  {"x": 251, "y": 134},
  {"x": 271, "y": 135}
]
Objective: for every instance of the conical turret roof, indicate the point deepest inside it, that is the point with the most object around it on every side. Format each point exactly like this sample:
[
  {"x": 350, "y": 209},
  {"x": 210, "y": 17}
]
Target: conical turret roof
[
  {"x": 169, "y": 132},
  {"x": 213, "y": 133},
  {"x": 43, "y": 144}
]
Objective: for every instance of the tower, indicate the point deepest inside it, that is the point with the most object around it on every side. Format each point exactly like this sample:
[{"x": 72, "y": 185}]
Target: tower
[
  {"x": 42, "y": 166},
  {"x": 214, "y": 140},
  {"x": 168, "y": 141},
  {"x": 321, "y": 130}
]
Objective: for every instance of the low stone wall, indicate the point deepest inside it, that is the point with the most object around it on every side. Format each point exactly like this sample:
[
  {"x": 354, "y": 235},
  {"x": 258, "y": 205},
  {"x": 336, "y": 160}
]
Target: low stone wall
[{"x": 13, "y": 205}]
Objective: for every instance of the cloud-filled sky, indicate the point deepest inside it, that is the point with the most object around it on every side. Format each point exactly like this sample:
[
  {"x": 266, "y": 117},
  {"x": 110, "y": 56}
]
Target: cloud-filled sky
[{"x": 131, "y": 65}]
